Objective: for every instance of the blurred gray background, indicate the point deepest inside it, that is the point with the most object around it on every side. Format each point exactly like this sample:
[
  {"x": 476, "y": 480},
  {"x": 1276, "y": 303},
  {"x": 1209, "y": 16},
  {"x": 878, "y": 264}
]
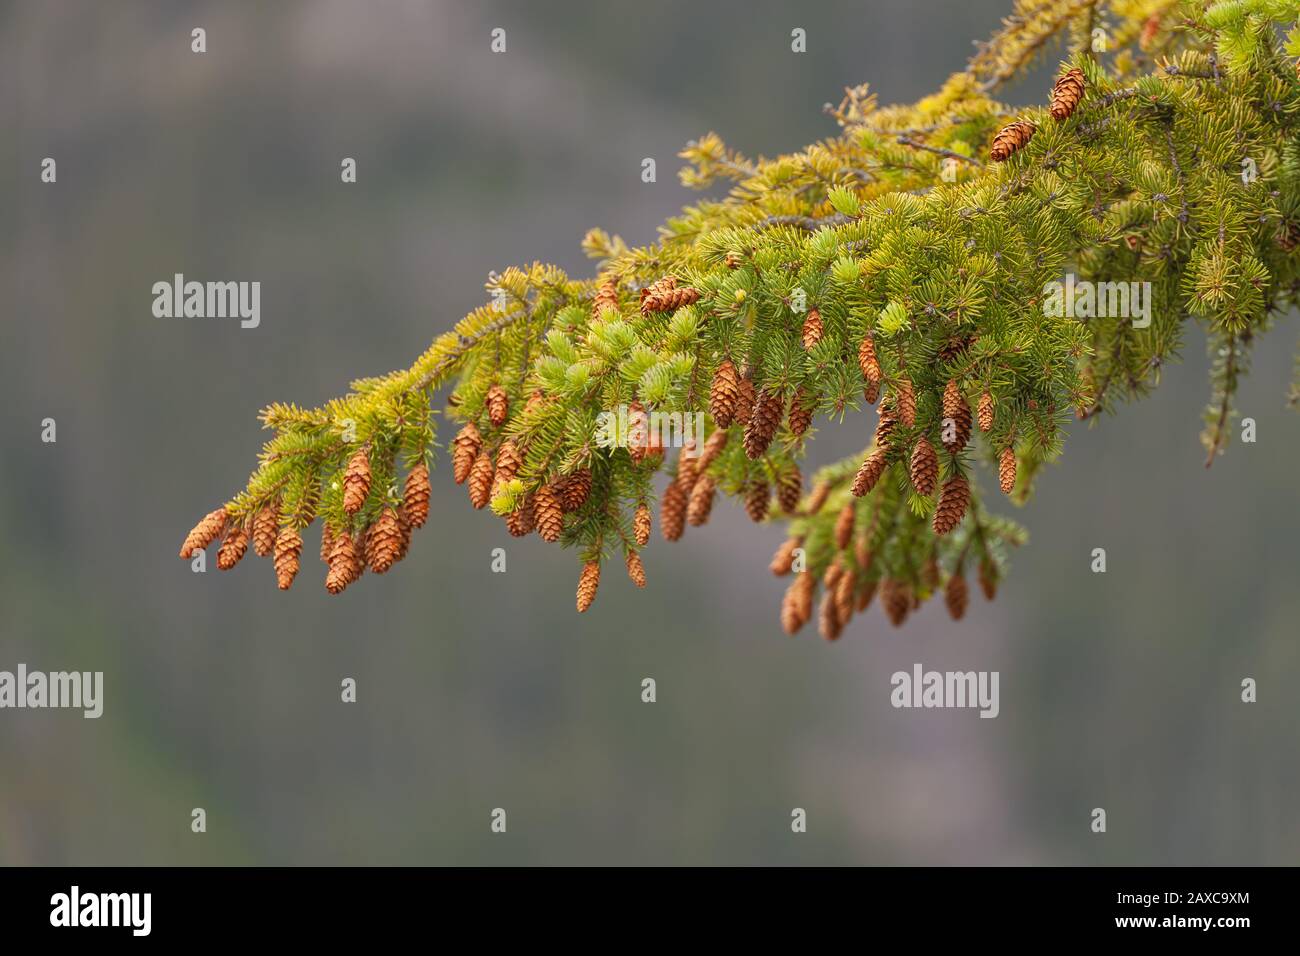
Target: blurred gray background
[{"x": 481, "y": 690}]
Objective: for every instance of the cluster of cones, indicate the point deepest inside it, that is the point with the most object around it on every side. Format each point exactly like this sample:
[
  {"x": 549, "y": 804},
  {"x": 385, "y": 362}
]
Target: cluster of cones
[{"x": 1065, "y": 97}]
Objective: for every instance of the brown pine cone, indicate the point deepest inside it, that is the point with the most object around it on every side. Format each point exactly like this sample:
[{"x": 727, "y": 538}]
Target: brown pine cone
[
  {"x": 896, "y": 599},
  {"x": 789, "y": 488},
  {"x": 1066, "y": 93},
  {"x": 1007, "y": 470},
  {"x": 480, "y": 480},
  {"x": 744, "y": 400},
  {"x": 862, "y": 555},
  {"x": 924, "y": 469},
  {"x": 383, "y": 542},
  {"x": 288, "y": 547},
  {"x": 635, "y": 569},
  {"x": 757, "y": 500},
  {"x": 844, "y": 589},
  {"x": 266, "y": 525},
  {"x": 799, "y": 417},
  {"x": 988, "y": 579},
  {"x": 465, "y": 449},
  {"x": 415, "y": 495},
  {"x": 821, "y": 491},
  {"x": 812, "y": 329},
  {"x": 984, "y": 412},
  {"x": 588, "y": 581},
  {"x": 232, "y": 549},
  {"x": 953, "y": 501},
  {"x": 509, "y": 460},
  {"x": 345, "y": 563},
  {"x": 828, "y": 618},
  {"x": 871, "y": 392},
  {"x": 763, "y": 422},
  {"x": 550, "y": 513},
  {"x": 905, "y": 401},
  {"x": 868, "y": 362},
  {"x": 498, "y": 405},
  {"x": 638, "y": 431},
  {"x": 1010, "y": 139},
  {"x": 641, "y": 524},
  {"x": 523, "y": 519},
  {"x": 955, "y": 408},
  {"x": 606, "y": 298},
  {"x": 796, "y": 606},
  {"x": 669, "y": 300},
  {"x": 701, "y": 501},
  {"x": 723, "y": 394},
  {"x": 783, "y": 560},
  {"x": 672, "y": 512},
  {"x": 688, "y": 470},
  {"x": 356, "y": 480},
  {"x": 204, "y": 533},
  {"x": 577, "y": 486},
  {"x": 885, "y": 422},
  {"x": 844, "y": 526},
  {"x": 956, "y": 596},
  {"x": 713, "y": 447},
  {"x": 326, "y": 542},
  {"x": 866, "y": 592},
  {"x": 873, "y": 466},
  {"x": 404, "y": 525}
]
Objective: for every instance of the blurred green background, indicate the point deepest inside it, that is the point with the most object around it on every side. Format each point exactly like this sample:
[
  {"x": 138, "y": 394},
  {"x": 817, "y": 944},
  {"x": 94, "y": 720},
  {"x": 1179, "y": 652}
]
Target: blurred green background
[{"x": 481, "y": 690}]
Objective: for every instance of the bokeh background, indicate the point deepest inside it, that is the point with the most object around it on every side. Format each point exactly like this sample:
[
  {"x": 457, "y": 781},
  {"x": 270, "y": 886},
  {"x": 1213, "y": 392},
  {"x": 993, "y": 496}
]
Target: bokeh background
[{"x": 481, "y": 690}]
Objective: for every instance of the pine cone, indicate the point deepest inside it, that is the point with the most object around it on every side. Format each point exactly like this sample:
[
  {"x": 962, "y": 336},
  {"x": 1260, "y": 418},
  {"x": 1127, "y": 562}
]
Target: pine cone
[
  {"x": 873, "y": 466},
  {"x": 498, "y": 405},
  {"x": 480, "y": 480},
  {"x": 550, "y": 513},
  {"x": 465, "y": 448},
  {"x": 326, "y": 542},
  {"x": 763, "y": 423},
  {"x": 638, "y": 428},
  {"x": 956, "y": 596},
  {"x": 641, "y": 524},
  {"x": 821, "y": 491},
  {"x": 672, "y": 512},
  {"x": 723, "y": 394},
  {"x": 356, "y": 480},
  {"x": 988, "y": 579},
  {"x": 744, "y": 400},
  {"x": 266, "y": 525},
  {"x": 701, "y": 501},
  {"x": 885, "y": 422},
  {"x": 800, "y": 417},
  {"x": 509, "y": 460},
  {"x": 783, "y": 560},
  {"x": 383, "y": 542},
  {"x": 288, "y": 547},
  {"x": 577, "y": 486},
  {"x": 713, "y": 448},
  {"x": 757, "y": 500},
  {"x": 1007, "y": 470},
  {"x": 812, "y": 329},
  {"x": 1011, "y": 139},
  {"x": 789, "y": 487},
  {"x": 635, "y": 569},
  {"x": 669, "y": 300},
  {"x": 415, "y": 495},
  {"x": 588, "y": 581},
  {"x": 606, "y": 298},
  {"x": 523, "y": 519},
  {"x": 204, "y": 533},
  {"x": 924, "y": 469},
  {"x": 984, "y": 412},
  {"x": 1066, "y": 93},
  {"x": 955, "y": 408},
  {"x": 844, "y": 526},
  {"x": 862, "y": 555},
  {"x": 953, "y": 500},
  {"x": 796, "y": 606},
  {"x": 896, "y": 599},
  {"x": 844, "y": 589},
  {"x": 232, "y": 549},
  {"x": 905, "y": 402},
  {"x": 871, "y": 392},
  {"x": 865, "y": 593},
  {"x": 828, "y": 619},
  {"x": 345, "y": 563},
  {"x": 688, "y": 470},
  {"x": 868, "y": 362}
]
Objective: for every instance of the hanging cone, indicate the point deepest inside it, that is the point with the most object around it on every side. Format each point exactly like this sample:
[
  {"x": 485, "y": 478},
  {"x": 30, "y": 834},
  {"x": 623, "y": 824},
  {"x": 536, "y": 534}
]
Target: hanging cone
[
  {"x": 844, "y": 589},
  {"x": 523, "y": 519},
  {"x": 465, "y": 449},
  {"x": 415, "y": 495},
  {"x": 988, "y": 579},
  {"x": 924, "y": 470},
  {"x": 641, "y": 524},
  {"x": 844, "y": 526},
  {"x": 509, "y": 460},
  {"x": 550, "y": 513},
  {"x": 789, "y": 488},
  {"x": 606, "y": 298},
  {"x": 1066, "y": 93},
  {"x": 956, "y": 410},
  {"x": 383, "y": 542},
  {"x": 984, "y": 412},
  {"x": 635, "y": 569},
  {"x": 266, "y": 525},
  {"x": 757, "y": 499},
  {"x": 724, "y": 393},
  {"x": 498, "y": 405},
  {"x": 345, "y": 563},
  {"x": 204, "y": 533},
  {"x": 232, "y": 549},
  {"x": 672, "y": 512},
  {"x": 796, "y": 607},
  {"x": 783, "y": 560},
  {"x": 700, "y": 505},
  {"x": 356, "y": 480},
  {"x": 953, "y": 501},
  {"x": 885, "y": 423},
  {"x": 638, "y": 431},
  {"x": 744, "y": 401},
  {"x": 800, "y": 417},
  {"x": 871, "y": 392},
  {"x": 326, "y": 542},
  {"x": 1007, "y": 470},
  {"x": 288, "y": 547},
  {"x": 866, "y": 591},
  {"x": 588, "y": 581},
  {"x": 896, "y": 599},
  {"x": 763, "y": 423},
  {"x": 812, "y": 329},
  {"x": 867, "y": 361},
  {"x": 577, "y": 487},
  {"x": 956, "y": 596},
  {"x": 873, "y": 466},
  {"x": 829, "y": 622},
  {"x": 480, "y": 480},
  {"x": 905, "y": 402},
  {"x": 821, "y": 491}
]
